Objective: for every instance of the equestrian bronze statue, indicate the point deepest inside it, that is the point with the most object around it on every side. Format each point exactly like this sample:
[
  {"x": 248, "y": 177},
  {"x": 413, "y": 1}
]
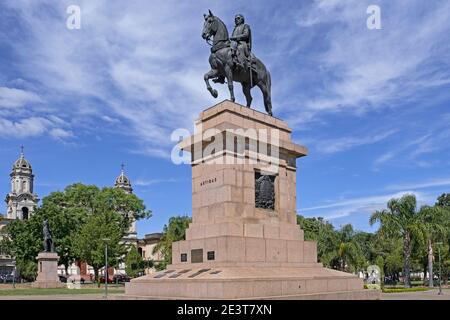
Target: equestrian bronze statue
[{"x": 232, "y": 59}]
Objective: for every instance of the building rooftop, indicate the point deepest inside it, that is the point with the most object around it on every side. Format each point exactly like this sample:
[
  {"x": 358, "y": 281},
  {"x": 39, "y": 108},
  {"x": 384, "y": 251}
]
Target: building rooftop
[{"x": 153, "y": 236}]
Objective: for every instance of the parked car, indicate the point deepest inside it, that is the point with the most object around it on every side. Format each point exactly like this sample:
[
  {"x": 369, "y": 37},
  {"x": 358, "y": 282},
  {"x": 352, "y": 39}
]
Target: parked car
[
  {"x": 110, "y": 279},
  {"x": 120, "y": 278},
  {"x": 8, "y": 278}
]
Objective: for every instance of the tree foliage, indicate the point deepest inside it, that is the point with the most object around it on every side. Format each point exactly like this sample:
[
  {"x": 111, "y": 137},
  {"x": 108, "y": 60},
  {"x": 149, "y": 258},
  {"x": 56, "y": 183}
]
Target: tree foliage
[
  {"x": 134, "y": 264},
  {"x": 74, "y": 211},
  {"x": 401, "y": 219},
  {"x": 444, "y": 200},
  {"x": 174, "y": 231},
  {"x": 336, "y": 249},
  {"x": 90, "y": 242}
]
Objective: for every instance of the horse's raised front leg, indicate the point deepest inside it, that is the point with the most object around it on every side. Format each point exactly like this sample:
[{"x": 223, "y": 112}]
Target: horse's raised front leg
[
  {"x": 213, "y": 73},
  {"x": 229, "y": 76}
]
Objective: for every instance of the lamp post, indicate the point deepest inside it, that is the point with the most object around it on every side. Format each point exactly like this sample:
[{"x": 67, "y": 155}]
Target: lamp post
[
  {"x": 440, "y": 269},
  {"x": 14, "y": 276},
  {"x": 106, "y": 266}
]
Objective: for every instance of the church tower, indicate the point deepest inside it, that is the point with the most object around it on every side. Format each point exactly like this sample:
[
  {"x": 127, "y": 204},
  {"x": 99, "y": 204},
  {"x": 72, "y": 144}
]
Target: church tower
[
  {"x": 21, "y": 201},
  {"x": 122, "y": 182}
]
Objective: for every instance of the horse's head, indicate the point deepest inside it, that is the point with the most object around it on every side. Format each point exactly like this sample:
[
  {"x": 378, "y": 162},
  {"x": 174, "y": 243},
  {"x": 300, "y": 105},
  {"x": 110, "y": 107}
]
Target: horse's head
[{"x": 210, "y": 26}]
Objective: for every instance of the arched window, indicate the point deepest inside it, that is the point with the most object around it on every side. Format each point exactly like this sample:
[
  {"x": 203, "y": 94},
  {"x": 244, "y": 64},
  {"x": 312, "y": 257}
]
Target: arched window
[{"x": 25, "y": 213}]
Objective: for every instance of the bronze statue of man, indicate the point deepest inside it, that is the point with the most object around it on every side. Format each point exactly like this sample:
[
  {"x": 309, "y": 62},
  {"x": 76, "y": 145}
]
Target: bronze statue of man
[
  {"x": 48, "y": 241},
  {"x": 241, "y": 41}
]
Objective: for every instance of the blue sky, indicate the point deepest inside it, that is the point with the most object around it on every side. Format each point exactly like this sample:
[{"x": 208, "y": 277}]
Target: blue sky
[{"x": 372, "y": 106}]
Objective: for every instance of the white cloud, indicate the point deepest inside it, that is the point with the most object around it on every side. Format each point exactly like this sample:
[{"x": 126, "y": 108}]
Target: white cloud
[
  {"x": 142, "y": 64},
  {"x": 149, "y": 182},
  {"x": 33, "y": 126},
  {"x": 14, "y": 98},
  {"x": 364, "y": 69},
  {"x": 342, "y": 144},
  {"x": 61, "y": 133},
  {"x": 440, "y": 182},
  {"x": 109, "y": 119},
  {"x": 362, "y": 205},
  {"x": 24, "y": 128},
  {"x": 410, "y": 151}
]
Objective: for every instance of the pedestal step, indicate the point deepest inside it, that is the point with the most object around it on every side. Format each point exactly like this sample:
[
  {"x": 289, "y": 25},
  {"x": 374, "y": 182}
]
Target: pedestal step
[
  {"x": 250, "y": 283},
  {"x": 240, "y": 249}
]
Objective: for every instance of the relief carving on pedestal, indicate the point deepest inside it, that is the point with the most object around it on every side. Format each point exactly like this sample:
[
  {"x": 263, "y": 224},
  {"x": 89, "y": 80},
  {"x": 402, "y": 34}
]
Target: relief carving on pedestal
[{"x": 264, "y": 191}]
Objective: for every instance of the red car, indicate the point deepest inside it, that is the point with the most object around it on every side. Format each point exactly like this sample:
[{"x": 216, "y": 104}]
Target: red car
[{"x": 110, "y": 279}]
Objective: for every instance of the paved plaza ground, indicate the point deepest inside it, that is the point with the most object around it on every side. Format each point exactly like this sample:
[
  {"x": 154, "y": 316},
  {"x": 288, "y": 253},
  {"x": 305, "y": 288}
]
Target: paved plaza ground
[{"x": 116, "y": 293}]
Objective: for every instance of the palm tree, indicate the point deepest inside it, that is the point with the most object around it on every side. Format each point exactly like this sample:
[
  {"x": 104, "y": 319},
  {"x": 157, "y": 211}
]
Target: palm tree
[
  {"x": 435, "y": 226},
  {"x": 400, "y": 220},
  {"x": 348, "y": 253}
]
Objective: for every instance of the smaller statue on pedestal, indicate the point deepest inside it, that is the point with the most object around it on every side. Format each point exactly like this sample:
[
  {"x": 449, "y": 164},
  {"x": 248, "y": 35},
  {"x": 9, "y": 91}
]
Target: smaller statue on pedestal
[{"x": 48, "y": 241}]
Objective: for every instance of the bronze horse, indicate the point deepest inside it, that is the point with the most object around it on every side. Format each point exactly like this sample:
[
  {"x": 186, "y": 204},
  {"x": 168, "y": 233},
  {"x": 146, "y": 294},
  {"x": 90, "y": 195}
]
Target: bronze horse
[{"x": 223, "y": 66}]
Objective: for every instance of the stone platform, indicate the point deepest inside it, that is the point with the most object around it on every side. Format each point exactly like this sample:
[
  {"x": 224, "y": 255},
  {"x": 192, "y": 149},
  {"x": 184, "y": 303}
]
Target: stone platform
[
  {"x": 47, "y": 271},
  {"x": 244, "y": 241},
  {"x": 245, "y": 282}
]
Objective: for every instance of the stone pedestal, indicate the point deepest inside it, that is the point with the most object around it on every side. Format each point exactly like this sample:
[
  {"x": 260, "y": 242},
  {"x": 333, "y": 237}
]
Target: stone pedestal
[
  {"x": 47, "y": 271},
  {"x": 244, "y": 241}
]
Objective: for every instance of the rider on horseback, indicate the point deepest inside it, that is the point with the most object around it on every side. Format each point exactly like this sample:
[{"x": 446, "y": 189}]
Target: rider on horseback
[{"x": 241, "y": 42}]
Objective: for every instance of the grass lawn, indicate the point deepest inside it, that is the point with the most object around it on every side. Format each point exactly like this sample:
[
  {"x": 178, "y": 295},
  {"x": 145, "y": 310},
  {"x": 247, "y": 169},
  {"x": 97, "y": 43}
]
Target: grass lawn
[
  {"x": 397, "y": 290},
  {"x": 26, "y": 290}
]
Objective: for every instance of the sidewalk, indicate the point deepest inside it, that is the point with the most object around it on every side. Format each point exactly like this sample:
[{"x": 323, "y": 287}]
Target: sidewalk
[{"x": 419, "y": 295}]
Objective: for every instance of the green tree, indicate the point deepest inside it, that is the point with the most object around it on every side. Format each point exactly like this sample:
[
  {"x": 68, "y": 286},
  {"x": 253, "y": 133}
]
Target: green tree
[
  {"x": 435, "y": 224},
  {"x": 100, "y": 230},
  {"x": 400, "y": 220},
  {"x": 134, "y": 264},
  {"x": 337, "y": 249},
  {"x": 24, "y": 243},
  {"x": 349, "y": 256},
  {"x": 174, "y": 231},
  {"x": 67, "y": 212},
  {"x": 444, "y": 200},
  {"x": 321, "y": 231},
  {"x": 366, "y": 242},
  {"x": 390, "y": 250}
]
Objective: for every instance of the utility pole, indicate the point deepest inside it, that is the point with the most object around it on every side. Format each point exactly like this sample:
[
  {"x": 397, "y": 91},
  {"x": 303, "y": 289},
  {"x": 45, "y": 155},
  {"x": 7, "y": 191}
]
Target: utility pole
[{"x": 106, "y": 267}]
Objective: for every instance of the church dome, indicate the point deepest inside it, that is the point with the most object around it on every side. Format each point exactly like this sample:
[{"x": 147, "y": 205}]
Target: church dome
[
  {"x": 22, "y": 163},
  {"x": 123, "y": 182}
]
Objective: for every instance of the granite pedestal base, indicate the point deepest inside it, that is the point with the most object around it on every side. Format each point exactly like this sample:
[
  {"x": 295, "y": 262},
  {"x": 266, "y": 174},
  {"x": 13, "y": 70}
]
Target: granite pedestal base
[
  {"x": 246, "y": 282},
  {"x": 47, "y": 271}
]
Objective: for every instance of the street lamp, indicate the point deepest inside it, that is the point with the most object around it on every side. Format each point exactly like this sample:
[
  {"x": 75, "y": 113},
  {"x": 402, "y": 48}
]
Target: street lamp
[
  {"x": 14, "y": 276},
  {"x": 106, "y": 266},
  {"x": 440, "y": 269}
]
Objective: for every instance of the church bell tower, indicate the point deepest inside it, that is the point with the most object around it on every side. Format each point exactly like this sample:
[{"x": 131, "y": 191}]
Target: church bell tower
[
  {"x": 21, "y": 201},
  {"x": 122, "y": 182}
]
